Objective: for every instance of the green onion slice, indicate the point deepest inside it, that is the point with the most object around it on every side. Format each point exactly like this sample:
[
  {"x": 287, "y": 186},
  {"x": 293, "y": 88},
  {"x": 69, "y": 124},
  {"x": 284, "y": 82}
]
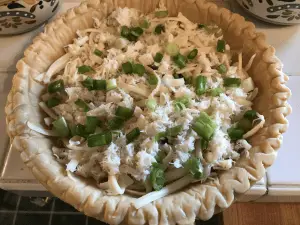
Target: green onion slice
[
  {"x": 56, "y": 86},
  {"x": 96, "y": 140},
  {"x": 88, "y": 83},
  {"x": 133, "y": 135},
  {"x": 115, "y": 123},
  {"x": 221, "y": 46},
  {"x": 91, "y": 123},
  {"x": 244, "y": 124},
  {"x": 145, "y": 24},
  {"x": 235, "y": 133},
  {"x": 53, "y": 102},
  {"x": 200, "y": 26},
  {"x": 172, "y": 49},
  {"x": 174, "y": 131},
  {"x": 127, "y": 67},
  {"x": 151, "y": 104},
  {"x": 204, "y": 126},
  {"x": 124, "y": 113},
  {"x": 193, "y": 165},
  {"x": 250, "y": 115},
  {"x": 180, "y": 61},
  {"x": 222, "y": 69},
  {"x": 232, "y": 82},
  {"x": 125, "y": 31},
  {"x": 111, "y": 84},
  {"x": 139, "y": 69},
  {"x": 182, "y": 102},
  {"x": 158, "y": 57},
  {"x": 200, "y": 85},
  {"x": 85, "y": 69},
  {"x": 192, "y": 54},
  {"x": 152, "y": 79},
  {"x": 203, "y": 144},
  {"x": 97, "y": 52},
  {"x": 99, "y": 85},
  {"x": 61, "y": 127},
  {"x": 161, "y": 14},
  {"x": 82, "y": 104},
  {"x": 157, "y": 178},
  {"x": 216, "y": 92},
  {"x": 159, "y": 29},
  {"x": 136, "y": 31}
]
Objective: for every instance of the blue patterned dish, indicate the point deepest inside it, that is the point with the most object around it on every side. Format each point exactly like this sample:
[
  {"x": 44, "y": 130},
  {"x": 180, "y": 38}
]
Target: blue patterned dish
[
  {"x": 19, "y": 16},
  {"x": 284, "y": 12}
]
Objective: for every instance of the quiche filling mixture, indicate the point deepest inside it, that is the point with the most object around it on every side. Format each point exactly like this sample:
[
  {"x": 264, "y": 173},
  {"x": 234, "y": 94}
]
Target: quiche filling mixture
[{"x": 147, "y": 104}]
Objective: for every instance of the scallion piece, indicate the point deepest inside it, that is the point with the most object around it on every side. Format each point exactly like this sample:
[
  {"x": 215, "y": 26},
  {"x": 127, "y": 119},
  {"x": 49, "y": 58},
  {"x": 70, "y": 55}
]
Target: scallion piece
[
  {"x": 204, "y": 126},
  {"x": 174, "y": 131},
  {"x": 88, "y": 83},
  {"x": 152, "y": 79},
  {"x": 250, "y": 115},
  {"x": 53, "y": 102},
  {"x": 200, "y": 26},
  {"x": 61, "y": 127},
  {"x": 145, "y": 24},
  {"x": 172, "y": 49},
  {"x": 216, "y": 92},
  {"x": 160, "y": 135},
  {"x": 200, "y": 85},
  {"x": 235, "y": 133},
  {"x": 80, "y": 131},
  {"x": 161, "y": 14},
  {"x": 192, "y": 54},
  {"x": 115, "y": 123},
  {"x": 125, "y": 31},
  {"x": 56, "y": 86},
  {"x": 222, "y": 69},
  {"x": 133, "y": 135},
  {"x": 182, "y": 102},
  {"x": 203, "y": 144},
  {"x": 159, "y": 29},
  {"x": 132, "y": 38},
  {"x": 193, "y": 165},
  {"x": 157, "y": 178},
  {"x": 139, "y": 69},
  {"x": 81, "y": 104},
  {"x": 99, "y": 85},
  {"x": 136, "y": 31},
  {"x": 158, "y": 57},
  {"x": 96, "y": 140},
  {"x": 221, "y": 46},
  {"x": 151, "y": 104},
  {"x": 127, "y": 67},
  {"x": 124, "y": 113},
  {"x": 244, "y": 124},
  {"x": 231, "y": 82},
  {"x": 204, "y": 118},
  {"x": 85, "y": 69},
  {"x": 111, "y": 84},
  {"x": 91, "y": 123},
  {"x": 179, "y": 60},
  {"x": 97, "y": 52}
]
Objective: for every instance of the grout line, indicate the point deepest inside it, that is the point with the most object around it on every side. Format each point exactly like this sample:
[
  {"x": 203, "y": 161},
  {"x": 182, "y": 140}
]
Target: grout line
[
  {"x": 51, "y": 212},
  {"x": 86, "y": 220},
  {"x": 16, "y": 211}
]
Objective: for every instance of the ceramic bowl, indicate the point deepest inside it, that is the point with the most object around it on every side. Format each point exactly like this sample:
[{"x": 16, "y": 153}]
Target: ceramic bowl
[
  {"x": 20, "y": 16},
  {"x": 284, "y": 12}
]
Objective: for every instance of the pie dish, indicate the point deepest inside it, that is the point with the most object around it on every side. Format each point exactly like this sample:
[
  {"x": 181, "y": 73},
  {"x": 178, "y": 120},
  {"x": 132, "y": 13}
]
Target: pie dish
[{"x": 195, "y": 201}]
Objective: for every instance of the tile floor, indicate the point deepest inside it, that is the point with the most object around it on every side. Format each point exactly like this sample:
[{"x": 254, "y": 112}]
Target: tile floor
[{"x": 21, "y": 210}]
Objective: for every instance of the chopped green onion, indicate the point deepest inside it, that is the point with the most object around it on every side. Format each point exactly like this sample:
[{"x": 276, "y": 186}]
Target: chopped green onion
[
  {"x": 158, "y": 57},
  {"x": 192, "y": 54},
  {"x": 159, "y": 29},
  {"x": 151, "y": 104},
  {"x": 172, "y": 49},
  {"x": 232, "y": 82},
  {"x": 157, "y": 178},
  {"x": 216, "y": 92},
  {"x": 124, "y": 113},
  {"x": 188, "y": 80},
  {"x": 125, "y": 31},
  {"x": 96, "y": 140},
  {"x": 182, "y": 102},
  {"x": 145, "y": 24},
  {"x": 132, "y": 135},
  {"x": 235, "y": 133},
  {"x": 99, "y": 85},
  {"x": 161, "y": 14},
  {"x": 136, "y": 31},
  {"x": 91, "y": 123},
  {"x": 61, "y": 127},
  {"x": 131, "y": 37},
  {"x": 81, "y": 104},
  {"x": 204, "y": 126},
  {"x": 115, "y": 123},
  {"x": 153, "y": 66},
  {"x": 203, "y": 144},
  {"x": 127, "y": 67},
  {"x": 200, "y": 26},
  {"x": 159, "y": 157},
  {"x": 97, "y": 52},
  {"x": 160, "y": 135},
  {"x": 244, "y": 124},
  {"x": 88, "y": 83},
  {"x": 200, "y": 85},
  {"x": 174, "y": 131},
  {"x": 53, "y": 102},
  {"x": 152, "y": 79},
  {"x": 221, "y": 46},
  {"x": 222, "y": 69},
  {"x": 250, "y": 115},
  {"x": 80, "y": 131},
  {"x": 111, "y": 84},
  {"x": 139, "y": 69},
  {"x": 193, "y": 165},
  {"x": 85, "y": 69},
  {"x": 56, "y": 86},
  {"x": 180, "y": 60}
]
